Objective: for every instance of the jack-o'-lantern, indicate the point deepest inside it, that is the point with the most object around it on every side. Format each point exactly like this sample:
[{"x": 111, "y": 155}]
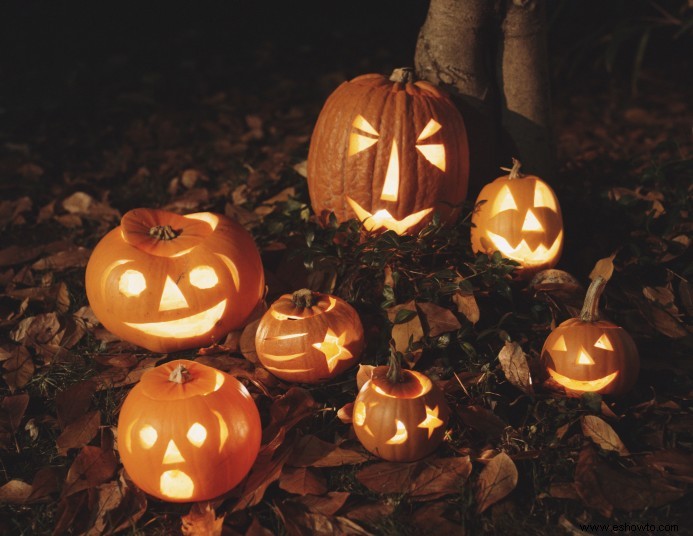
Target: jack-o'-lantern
[
  {"x": 188, "y": 432},
  {"x": 309, "y": 337},
  {"x": 586, "y": 354},
  {"x": 389, "y": 152},
  {"x": 169, "y": 282},
  {"x": 520, "y": 218},
  {"x": 400, "y": 415}
]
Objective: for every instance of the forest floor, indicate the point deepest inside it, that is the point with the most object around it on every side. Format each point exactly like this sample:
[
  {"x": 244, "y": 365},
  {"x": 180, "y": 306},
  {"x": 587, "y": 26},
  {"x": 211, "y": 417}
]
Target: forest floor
[{"x": 80, "y": 148}]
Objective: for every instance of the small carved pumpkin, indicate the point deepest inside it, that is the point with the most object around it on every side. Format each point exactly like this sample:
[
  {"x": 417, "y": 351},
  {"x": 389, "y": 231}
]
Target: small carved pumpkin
[
  {"x": 400, "y": 415},
  {"x": 388, "y": 152},
  {"x": 188, "y": 432},
  {"x": 309, "y": 337},
  {"x": 586, "y": 354},
  {"x": 521, "y": 218},
  {"x": 169, "y": 282}
]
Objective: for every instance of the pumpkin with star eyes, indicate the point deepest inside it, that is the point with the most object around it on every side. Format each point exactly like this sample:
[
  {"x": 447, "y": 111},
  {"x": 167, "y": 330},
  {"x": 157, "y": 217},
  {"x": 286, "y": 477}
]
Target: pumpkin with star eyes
[
  {"x": 188, "y": 432},
  {"x": 400, "y": 415},
  {"x": 587, "y": 354},
  {"x": 168, "y": 282},
  {"x": 309, "y": 337},
  {"x": 521, "y": 219},
  {"x": 389, "y": 152}
]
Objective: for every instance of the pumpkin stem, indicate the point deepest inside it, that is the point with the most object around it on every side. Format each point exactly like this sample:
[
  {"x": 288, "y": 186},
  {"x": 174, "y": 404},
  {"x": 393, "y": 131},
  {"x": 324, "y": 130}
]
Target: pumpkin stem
[
  {"x": 394, "y": 372},
  {"x": 304, "y": 298},
  {"x": 590, "y": 309},
  {"x": 405, "y": 75},
  {"x": 163, "y": 232},
  {"x": 179, "y": 375},
  {"x": 515, "y": 170}
]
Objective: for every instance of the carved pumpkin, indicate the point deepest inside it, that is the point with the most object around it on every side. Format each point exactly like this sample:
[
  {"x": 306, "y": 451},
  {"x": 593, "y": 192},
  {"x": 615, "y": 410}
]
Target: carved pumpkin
[
  {"x": 188, "y": 432},
  {"x": 586, "y": 354},
  {"x": 388, "y": 152},
  {"x": 309, "y": 337},
  {"x": 521, "y": 218},
  {"x": 400, "y": 415},
  {"x": 169, "y": 282}
]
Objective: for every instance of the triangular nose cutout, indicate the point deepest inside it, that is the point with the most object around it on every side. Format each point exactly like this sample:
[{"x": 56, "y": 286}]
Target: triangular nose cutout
[
  {"x": 172, "y": 454},
  {"x": 172, "y": 297},
  {"x": 391, "y": 185},
  {"x": 531, "y": 222},
  {"x": 584, "y": 358}
]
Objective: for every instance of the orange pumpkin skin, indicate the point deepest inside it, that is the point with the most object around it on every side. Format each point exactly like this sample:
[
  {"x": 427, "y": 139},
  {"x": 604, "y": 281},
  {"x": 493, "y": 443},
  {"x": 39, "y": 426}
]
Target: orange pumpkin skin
[
  {"x": 309, "y": 344},
  {"x": 372, "y": 128},
  {"x": 522, "y": 219},
  {"x": 191, "y": 441},
  {"x": 595, "y": 356},
  {"x": 184, "y": 291},
  {"x": 400, "y": 422}
]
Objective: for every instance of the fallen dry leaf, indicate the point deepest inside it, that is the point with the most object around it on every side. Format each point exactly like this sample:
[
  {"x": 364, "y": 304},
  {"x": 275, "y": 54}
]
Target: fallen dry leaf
[
  {"x": 91, "y": 467},
  {"x": 15, "y": 492},
  {"x": 431, "y": 519},
  {"x": 438, "y": 319},
  {"x": 12, "y": 411},
  {"x": 467, "y": 305},
  {"x": 72, "y": 258},
  {"x": 404, "y": 332},
  {"x": 302, "y": 481},
  {"x": 603, "y": 268},
  {"x": 266, "y": 470},
  {"x": 328, "y": 504},
  {"x": 514, "y": 364},
  {"x": 346, "y": 413},
  {"x": 19, "y": 368},
  {"x": 312, "y": 451},
  {"x": 202, "y": 521},
  {"x": 483, "y": 420},
  {"x": 79, "y": 433},
  {"x": 298, "y": 521},
  {"x": 363, "y": 374},
  {"x": 496, "y": 480},
  {"x": 602, "y": 434},
  {"x": 247, "y": 342},
  {"x": 73, "y": 402}
]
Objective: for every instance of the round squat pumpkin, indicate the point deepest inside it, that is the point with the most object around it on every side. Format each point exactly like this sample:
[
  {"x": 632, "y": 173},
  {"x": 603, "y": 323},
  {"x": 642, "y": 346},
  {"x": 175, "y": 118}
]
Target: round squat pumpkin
[
  {"x": 309, "y": 337},
  {"x": 188, "y": 432},
  {"x": 400, "y": 415},
  {"x": 587, "y": 354},
  {"x": 521, "y": 218},
  {"x": 169, "y": 282},
  {"x": 389, "y": 152}
]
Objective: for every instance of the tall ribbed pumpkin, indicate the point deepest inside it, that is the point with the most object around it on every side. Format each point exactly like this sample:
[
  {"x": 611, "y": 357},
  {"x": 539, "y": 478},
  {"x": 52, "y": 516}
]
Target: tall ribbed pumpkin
[{"x": 389, "y": 152}]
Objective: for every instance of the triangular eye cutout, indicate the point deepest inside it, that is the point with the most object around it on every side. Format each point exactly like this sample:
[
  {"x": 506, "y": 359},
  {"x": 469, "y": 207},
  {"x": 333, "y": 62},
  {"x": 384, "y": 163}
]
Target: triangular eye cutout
[
  {"x": 604, "y": 343},
  {"x": 359, "y": 142},
  {"x": 431, "y": 128},
  {"x": 361, "y": 123},
  {"x": 172, "y": 297},
  {"x": 544, "y": 197},
  {"x": 504, "y": 201},
  {"x": 584, "y": 358},
  {"x": 560, "y": 345},
  {"x": 531, "y": 222}
]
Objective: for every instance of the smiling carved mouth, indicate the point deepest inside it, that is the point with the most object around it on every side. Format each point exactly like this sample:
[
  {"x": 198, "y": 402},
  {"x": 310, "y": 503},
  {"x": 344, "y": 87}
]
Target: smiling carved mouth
[
  {"x": 383, "y": 219},
  {"x": 582, "y": 385},
  {"x": 523, "y": 252},
  {"x": 181, "y": 328}
]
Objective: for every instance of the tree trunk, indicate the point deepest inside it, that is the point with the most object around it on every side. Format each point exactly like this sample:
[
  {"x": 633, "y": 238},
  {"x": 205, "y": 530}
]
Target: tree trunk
[{"x": 492, "y": 57}]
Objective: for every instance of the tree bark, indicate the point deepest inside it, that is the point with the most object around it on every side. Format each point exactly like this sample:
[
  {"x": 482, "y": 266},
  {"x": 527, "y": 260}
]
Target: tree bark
[
  {"x": 491, "y": 56},
  {"x": 456, "y": 50},
  {"x": 524, "y": 83}
]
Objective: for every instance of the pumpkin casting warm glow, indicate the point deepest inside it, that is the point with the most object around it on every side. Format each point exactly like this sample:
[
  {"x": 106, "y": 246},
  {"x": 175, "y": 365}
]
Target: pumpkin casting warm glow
[
  {"x": 169, "y": 282},
  {"x": 586, "y": 354},
  {"x": 388, "y": 152},
  {"x": 520, "y": 218},
  {"x": 188, "y": 432},
  {"x": 402, "y": 419},
  {"x": 309, "y": 337}
]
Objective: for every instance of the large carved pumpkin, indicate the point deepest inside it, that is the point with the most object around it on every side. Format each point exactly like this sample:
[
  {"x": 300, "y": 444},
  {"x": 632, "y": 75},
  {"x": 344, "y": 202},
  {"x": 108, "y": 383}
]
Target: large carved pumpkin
[
  {"x": 169, "y": 282},
  {"x": 389, "y": 152},
  {"x": 188, "y": 432},
  {"x": 400, "y": 415},
  {"x": 586, "y": 354},
  {"x": 309, "y": 337},
  {"x": 520, "y": 218}
]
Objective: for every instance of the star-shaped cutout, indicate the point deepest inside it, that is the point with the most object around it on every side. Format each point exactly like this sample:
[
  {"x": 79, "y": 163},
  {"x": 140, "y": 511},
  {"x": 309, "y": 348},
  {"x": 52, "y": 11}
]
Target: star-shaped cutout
[
  {"x": 431, "y": 421},
  {"x": 333, "y": 348}
]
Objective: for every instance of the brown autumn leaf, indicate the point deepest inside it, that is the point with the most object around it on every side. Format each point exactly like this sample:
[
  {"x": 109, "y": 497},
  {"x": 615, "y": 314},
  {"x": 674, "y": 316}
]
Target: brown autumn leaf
[
  {"x": 266, "y": 470},
  {"x": 563, "y": 490},
  {"x": 346, "y": 413},
  {"x": 665, "y": 323},
  {"x": 483, "y": 420},
  {"x": 76, "y": 257},
  {"x": 312, "y": 451},
  {"x": 297, "y": 520},
  {"x": 46, "y": 482},
  {"x": 328, "y": 504},
  {"x": 438, "y": 319},
  {"x": 604, "y": 268},
  {"x": 467, "y": 305},
  {"x": 424, "y": 480},
  {"x": 431, "y": 519},
  {"x": 119, "y": 505},
  {"x": 256, "y": 529},
  {"x": 302, "y": 481},
  {"x": 371, "y": 513},
  {"x": 12, "y": 411},
  {"x": 247, "y": 342},
  {"x": 287, "y": 410},
  {"x": 514, "y": 364},
  {"x": 403, "y": 332},
  {"x": 663, "y": 296},
  {"x": 496, "y": 480},
  {"x": 15, "y": 492},
  {"x": 37, "y": 330},
  {"x": 602, "y": 434},
  {"x": 91, "y": 467},
  {"x": 202, "y": 520},
  {"x": 73, "y": 402},
  {"x": 79, "y": 433},
  {"x": 51, "y": 297},
  {"x": 363, "y": 374},
  {"x": 19, "y": 368},
  {"x": 672, "y": 464},
  {"x": 107, "y": 380}
]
